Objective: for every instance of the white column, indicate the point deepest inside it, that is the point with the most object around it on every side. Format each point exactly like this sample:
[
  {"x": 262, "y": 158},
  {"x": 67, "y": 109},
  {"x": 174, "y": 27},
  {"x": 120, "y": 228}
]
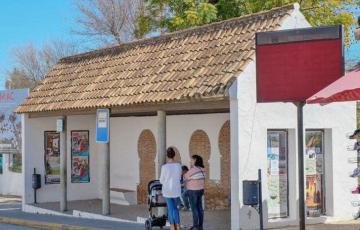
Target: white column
[
  {"x": 27, "y": 196},
  {"x": 161, "y": 140},
  {"x": 63, "y": 167},
  {"x": 161, "y": 147},
  {"x": 234, "y": 148}
]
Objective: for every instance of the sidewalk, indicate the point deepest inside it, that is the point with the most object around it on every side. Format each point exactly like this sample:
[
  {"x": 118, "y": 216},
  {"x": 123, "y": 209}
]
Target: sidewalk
[
  {"x": 10, "y": 213},
  {"x": 341, "y": 225}
]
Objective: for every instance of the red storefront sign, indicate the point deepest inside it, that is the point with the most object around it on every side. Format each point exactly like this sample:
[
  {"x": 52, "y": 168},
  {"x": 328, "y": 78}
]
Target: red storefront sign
[{"x": 293, "y": 65}]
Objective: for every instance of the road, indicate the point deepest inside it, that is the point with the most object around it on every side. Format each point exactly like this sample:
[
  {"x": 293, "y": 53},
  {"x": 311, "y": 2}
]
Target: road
[
  {"x": 12, "y": 209},
  {"x": 14, "y": 227}
]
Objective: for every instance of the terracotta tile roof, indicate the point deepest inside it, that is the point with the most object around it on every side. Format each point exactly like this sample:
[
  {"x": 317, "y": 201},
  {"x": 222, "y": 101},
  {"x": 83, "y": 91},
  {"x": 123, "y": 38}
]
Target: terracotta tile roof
[{"x": 196, "y": 63}]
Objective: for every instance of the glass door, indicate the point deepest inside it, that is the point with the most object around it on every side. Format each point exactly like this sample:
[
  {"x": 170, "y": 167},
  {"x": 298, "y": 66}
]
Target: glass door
[
  {"x": 277, "y": 173},
  {"x": 315, "y": 172}
]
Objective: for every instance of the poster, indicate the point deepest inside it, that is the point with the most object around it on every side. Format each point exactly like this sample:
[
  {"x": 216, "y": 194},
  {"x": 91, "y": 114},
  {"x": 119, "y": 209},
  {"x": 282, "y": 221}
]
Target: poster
[
  {"x": 80, "y": 171},
  {"x": 52, "y": 157},
  {"x": 313, "y": 192},
  {"x": 10, "y": 126}
]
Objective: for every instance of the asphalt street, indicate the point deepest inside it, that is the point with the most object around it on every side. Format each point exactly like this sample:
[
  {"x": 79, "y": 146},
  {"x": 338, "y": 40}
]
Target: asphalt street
[
  {"x": 12, "y": 209},
  {"x": 14, "y": 227}
]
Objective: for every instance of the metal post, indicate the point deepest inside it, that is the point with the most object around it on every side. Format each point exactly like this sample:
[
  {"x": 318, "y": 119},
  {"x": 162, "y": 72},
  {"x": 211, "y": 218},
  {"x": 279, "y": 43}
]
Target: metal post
[
  {"x": 35, "y": 201},
  {"x": 63, "y": 167},
  {"x": 106, "y": 180},
  {"x": 260, "y": 202},
  {"x": 300, "y": 127}
]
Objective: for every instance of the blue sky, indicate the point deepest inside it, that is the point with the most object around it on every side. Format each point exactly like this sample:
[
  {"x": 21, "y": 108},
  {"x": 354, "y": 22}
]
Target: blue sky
[
  {"x": 38, "y": 21},
  {"x": 25, "y": 21}
]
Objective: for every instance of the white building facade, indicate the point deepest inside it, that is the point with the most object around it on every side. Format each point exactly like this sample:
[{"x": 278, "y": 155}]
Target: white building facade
[{"x": 233, "y": 135}]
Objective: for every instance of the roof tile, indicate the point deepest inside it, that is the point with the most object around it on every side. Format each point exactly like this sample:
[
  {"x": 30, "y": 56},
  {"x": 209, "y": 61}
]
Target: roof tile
[{"x": 194, "y": 63}]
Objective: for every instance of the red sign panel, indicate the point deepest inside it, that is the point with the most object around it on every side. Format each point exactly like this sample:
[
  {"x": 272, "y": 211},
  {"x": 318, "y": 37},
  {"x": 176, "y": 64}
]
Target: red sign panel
[{"x": 293, "y": 65}]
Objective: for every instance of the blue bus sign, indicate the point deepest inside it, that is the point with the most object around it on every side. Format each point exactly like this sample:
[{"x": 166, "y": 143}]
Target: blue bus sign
[{"x": 102, "y": 125}]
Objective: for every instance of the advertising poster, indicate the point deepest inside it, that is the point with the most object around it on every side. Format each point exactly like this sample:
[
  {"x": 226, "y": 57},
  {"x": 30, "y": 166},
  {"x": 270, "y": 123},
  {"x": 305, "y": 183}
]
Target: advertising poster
[
  {"x": 80, "y": 171},
  {"x": 52, "y": 157},
  {"x": 313, "y": 192},
  {"x": 10, "y": 125}
]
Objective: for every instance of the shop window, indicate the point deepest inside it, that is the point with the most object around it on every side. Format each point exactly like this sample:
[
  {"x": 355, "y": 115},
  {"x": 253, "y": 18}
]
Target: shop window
[
  {"x": 277, "y": 173},
  {"x": 314, "y": 171}
]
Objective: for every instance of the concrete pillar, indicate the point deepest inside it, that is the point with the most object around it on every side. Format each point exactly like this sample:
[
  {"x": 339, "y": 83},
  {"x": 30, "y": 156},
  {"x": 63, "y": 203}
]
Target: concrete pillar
[
  {"x": 161, "y": 140},
  {"x": 106, "y": 179},
  {"x": 28, "y": 192},
  {"x": 63, "y": 167},
  {"x": 161, "y": 147}
]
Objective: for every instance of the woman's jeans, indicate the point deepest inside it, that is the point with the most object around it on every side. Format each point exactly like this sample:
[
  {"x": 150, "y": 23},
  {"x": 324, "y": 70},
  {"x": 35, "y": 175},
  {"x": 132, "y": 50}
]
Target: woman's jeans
[
  {"x": 197, "y": 207},
  {"x": 173, "y": 211}
]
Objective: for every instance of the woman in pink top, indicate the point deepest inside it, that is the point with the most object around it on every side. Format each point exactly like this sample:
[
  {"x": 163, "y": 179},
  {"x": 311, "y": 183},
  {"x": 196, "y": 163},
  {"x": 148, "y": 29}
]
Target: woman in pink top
[{"x": 195, "y": 185}]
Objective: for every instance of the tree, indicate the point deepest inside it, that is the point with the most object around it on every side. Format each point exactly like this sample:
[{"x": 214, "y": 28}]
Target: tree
[
  {"x": 32, "y": 64},
  {"x": 17, "y": 79},
  {"x": 110, "y": 22},
  {"x": 172, "y": 15},
  {"x": 189, "y": 13}
]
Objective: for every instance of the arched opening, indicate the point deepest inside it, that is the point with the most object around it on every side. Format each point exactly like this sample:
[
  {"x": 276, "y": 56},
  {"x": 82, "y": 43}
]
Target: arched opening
[
  {"x": 224, "y": 147},
  {"x": 147, "y": 154},
  {"x": 200, "y": 145}
]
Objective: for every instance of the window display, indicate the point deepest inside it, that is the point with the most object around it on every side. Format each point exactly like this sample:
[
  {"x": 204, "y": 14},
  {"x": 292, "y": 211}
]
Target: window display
[
  {"x": 314, "y": 171},
  {"x": 277, "y": 174}
]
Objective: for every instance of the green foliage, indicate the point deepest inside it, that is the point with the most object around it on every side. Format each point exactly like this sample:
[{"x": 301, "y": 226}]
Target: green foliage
[{"x": 172, "y": 15}]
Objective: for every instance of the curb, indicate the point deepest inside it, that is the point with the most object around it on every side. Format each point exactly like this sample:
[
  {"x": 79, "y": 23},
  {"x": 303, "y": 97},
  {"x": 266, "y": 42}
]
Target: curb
[{"x": 42, "y": 225}]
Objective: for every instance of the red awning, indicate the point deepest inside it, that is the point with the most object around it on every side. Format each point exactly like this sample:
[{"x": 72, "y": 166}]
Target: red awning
[{"x": 346, "y": 88}]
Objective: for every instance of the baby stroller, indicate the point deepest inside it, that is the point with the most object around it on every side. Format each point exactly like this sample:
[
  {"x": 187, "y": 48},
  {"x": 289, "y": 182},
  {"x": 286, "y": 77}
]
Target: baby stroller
[{"x": 155, "y": 199}]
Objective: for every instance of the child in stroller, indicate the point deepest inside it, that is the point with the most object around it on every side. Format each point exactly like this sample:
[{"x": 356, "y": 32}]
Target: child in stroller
[{"x": 155, "y": 200}]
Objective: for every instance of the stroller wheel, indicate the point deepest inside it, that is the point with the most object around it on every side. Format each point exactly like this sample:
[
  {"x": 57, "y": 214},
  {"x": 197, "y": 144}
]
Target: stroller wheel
[{"x": 148, "y": 224}]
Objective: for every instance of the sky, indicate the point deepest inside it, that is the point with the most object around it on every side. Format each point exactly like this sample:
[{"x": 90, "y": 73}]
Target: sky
[
  {"x": 38, "y": 21},
  {"x": 35, "y": 21}
]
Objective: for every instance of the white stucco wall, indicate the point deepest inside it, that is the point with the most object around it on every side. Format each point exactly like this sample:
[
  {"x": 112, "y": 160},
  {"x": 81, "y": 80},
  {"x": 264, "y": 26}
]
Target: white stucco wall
[
  {"x": 125, "y": 132},
  {"x": 249, "y": 125},
  {"x": 34, "y": 158},
  {"x": 124, "y": 164},
  {"x": 10, "y": 182}
]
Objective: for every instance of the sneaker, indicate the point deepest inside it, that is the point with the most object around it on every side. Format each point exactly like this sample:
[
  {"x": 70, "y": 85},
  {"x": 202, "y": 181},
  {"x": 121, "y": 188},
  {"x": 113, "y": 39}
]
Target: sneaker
[
  {"x": 356, "y": 172},
  {"x": 356, "y": 191}
]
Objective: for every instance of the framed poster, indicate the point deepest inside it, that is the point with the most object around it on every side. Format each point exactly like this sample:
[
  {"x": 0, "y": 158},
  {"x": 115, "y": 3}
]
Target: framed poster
[
  {"x": 52, "y": 157},
  {"x": 80, "y": 168}
]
